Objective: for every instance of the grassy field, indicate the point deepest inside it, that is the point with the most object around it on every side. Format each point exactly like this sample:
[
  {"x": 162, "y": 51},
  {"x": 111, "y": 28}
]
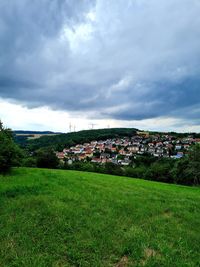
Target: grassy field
[{"x": 68, "y": 218}]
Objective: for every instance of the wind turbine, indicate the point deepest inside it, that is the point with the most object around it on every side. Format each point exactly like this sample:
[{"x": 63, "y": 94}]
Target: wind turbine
[
  {"x": 92, "y": 125},
  {"x": 70, "y": 127}
]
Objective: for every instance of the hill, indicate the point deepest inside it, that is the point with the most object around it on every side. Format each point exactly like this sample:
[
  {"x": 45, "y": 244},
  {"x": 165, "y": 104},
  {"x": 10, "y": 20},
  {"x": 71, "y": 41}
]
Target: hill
[
  {"x": 22, "y": 137},
  {"x": 61, "y": 141},
  {"x": 68, "y": 218},
  {"x": 23, "y": 132}
]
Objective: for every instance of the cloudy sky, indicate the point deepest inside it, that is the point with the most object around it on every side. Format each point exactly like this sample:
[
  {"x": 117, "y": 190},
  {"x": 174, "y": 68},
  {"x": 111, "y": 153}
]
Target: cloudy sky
[{"x": 125, "y": 63}]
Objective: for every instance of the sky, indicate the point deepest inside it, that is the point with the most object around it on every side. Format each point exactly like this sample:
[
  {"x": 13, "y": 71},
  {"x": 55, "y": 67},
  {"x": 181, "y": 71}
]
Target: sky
[{"x": 100, "y": 63}]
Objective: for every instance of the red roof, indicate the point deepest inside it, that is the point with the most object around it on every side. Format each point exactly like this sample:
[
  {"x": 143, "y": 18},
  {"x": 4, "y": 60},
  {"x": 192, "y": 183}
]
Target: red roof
[
  {"x": 60, "y": 155},
  {"x": 96, "y": 159}
]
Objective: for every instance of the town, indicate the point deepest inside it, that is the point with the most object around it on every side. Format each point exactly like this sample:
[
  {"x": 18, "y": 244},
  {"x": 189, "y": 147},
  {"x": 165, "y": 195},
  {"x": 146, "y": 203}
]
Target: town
[{"x": 122, "y": 151}]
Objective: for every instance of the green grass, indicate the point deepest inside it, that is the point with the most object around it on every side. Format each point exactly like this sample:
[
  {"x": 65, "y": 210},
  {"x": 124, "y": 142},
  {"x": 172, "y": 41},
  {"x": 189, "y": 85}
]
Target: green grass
[{"x": 68, "y": 218}]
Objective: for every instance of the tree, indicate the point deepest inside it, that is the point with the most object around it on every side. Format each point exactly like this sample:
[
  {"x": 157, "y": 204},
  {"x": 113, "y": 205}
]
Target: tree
[
  {"x": 29, "y": 162},
  {"x": 159, "y": 171},
  {"x": 46, "y": 158},
  {"x": 10, "y": 153},
  {"x": 187, "y": 170},
  {"x": 194, "y": 164},
  {"x": 112, "y": 168}
]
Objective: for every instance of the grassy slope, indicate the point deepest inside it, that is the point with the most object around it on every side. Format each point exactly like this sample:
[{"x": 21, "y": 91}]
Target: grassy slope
[{"x": 66, "y": 218}]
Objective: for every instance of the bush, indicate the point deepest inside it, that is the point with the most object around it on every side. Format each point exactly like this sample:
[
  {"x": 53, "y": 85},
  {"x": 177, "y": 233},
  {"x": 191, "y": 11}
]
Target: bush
[
  {"x": 159, "y": 172},
  {"x": 111, "y": 168},
  {"x": 46, "y": 158},
  {"x": 137, "y": 172},
  {"x": 29, "y": 162}
]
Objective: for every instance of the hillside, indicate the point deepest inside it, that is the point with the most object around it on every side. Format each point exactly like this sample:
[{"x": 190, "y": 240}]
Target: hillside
[
  {"x": 68, "y": 218},
  {"x": 61, "y": 141},
  {"x": 22, "y": 137},
  {"x": 23, "y": 132}
]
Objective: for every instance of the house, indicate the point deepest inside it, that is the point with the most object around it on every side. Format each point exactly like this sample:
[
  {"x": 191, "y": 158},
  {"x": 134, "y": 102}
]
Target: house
[
  {"x": 104, "y": 160},
  {"x": 158, "y": 144},
  {"x": 186, "y": 146},
  {"x": 151, "y": 150},
  {"x": 113, "y": 149},
  {"x": 122, "y": 152},
  {"x": 89, "y": 155},
  {"x": 178, "y": 155},
  {"x": 96, "y": 160},
  {"x": 114, "y": 161},
  {"x": 82, "y": 156},
  {"x": 143, "y": 148},
  {"x": 93, "y": 143},
  {"x": 66, "y": 151},
  {"x": 159, "y": 151},
  {"x": 134, "y": 149},
  {"x": 60, "y": 155},
  {"x": 151, "y": 144},
  {"x": 126, "y": 162},
  {"x": 86, "y": 144},
  {"x": 100, "y": 147},
  {"x": 178, "y": 147},
  {"x": 105, "y": 156},
  {"x": 169, "y": 146}
]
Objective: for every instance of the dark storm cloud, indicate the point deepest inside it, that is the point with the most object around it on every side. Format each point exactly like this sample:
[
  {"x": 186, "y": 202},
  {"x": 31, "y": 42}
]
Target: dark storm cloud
[
  {"x": 111, "y": 59},
  {"x": 174, "y": 99}
]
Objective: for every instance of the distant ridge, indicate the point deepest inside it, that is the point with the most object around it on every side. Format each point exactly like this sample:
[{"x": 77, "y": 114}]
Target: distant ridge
[{"x": 35, "y": 132}]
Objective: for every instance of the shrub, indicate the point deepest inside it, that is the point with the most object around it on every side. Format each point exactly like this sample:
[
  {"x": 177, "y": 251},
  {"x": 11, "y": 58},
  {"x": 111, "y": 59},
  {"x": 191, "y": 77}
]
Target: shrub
[
  {"x": 29, "y": 162},
  {"x": 46, "y": 158}
]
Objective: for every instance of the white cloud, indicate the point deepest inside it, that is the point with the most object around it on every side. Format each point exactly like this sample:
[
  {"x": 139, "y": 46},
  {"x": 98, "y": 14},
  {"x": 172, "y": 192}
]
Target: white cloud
[{"x": 19, "y": 117}]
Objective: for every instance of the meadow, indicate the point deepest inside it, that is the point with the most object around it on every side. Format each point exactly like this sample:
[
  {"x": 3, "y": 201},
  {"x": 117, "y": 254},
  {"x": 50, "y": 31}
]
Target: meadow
[{"x": 68, "y": 218}]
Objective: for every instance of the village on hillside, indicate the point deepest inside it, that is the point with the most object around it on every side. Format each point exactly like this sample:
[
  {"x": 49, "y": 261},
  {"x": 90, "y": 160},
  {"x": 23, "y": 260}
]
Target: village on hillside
[{"x": 120, "y": 151}]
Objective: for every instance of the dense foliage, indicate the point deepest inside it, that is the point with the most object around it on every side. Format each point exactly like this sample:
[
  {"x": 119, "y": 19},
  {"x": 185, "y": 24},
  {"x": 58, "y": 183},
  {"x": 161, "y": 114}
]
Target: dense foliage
[
  {"x": 46, "y": 158},
  {"x": 187, "y": 170},
  {"x": 9, "y": 152}
]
